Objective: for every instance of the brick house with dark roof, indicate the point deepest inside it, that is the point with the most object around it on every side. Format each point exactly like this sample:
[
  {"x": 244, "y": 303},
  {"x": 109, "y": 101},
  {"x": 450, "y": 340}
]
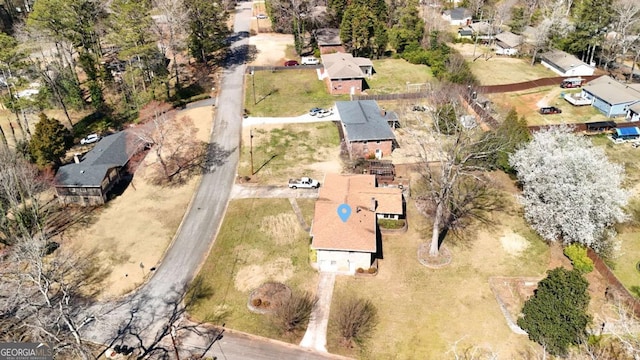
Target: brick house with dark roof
[
  {"x": 366, "y": 128},
  {"x": 345, "y": 246},
  {"x": 328, "y": 40},
  {"x": 345, "y": 74},
  {"x": 89, "y": 180}
]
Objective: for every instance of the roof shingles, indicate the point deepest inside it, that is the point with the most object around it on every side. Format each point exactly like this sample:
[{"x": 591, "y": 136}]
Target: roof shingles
[{"x": 364, "y": 121}]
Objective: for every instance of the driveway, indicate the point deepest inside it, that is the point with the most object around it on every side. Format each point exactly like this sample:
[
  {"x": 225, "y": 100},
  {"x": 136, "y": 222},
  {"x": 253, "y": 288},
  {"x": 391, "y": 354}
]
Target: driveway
[
  {"x": 146, "y": 318},
  {"x": 306, "y": 118},
  {"x": 269, "y": 191}
]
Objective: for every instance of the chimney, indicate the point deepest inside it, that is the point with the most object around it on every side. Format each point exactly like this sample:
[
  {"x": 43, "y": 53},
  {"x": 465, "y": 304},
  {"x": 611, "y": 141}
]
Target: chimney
[
  {"x": 373, "y": 204},
  {"x": 76, "y": 158}
]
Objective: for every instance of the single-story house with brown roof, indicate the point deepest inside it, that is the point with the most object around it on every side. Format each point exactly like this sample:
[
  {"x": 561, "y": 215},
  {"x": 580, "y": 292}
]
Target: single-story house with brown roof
[
  {"x": 565, "y": 64},
  {"x": 345, "y": 246},
  {"x": 88, "y": 181},
  {"x": 328, "y": 40},
  {"x": 610, "y": 96},
  {"x": 366, "y": 128},
  {"x": 345, "y": 74},
  {"x": 507, "y": 43}
]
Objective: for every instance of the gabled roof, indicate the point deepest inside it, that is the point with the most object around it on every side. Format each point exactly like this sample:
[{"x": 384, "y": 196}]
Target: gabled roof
[
  {"x": 111, "y": 151},
  {"x": 612, "y": 91},
  {"x": 635, "y": 108},
  {"x": 344, "y": 66},
  {"x": 563, "y": 60},
  {"x": 508, "y": 39},
  {"x": 458, "y": 13},
  {"x": 328, "y": 37},
  {"x": 359, "y": 232},
  {"x": 364, "y": 121},
  {"x": 481, "y": 27}
]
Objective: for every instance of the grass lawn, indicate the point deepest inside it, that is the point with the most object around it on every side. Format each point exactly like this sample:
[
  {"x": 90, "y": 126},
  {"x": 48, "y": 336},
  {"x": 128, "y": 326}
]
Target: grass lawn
[
  {"x": 260, "y": 240},
  {"x": 286, "y": 93},
  {"x": 423, "y": 312},
  {"x": 629, "y": 234},
  {"x": 290, "y": 150},
  {"x": 392, "y": 76},
  {"x": 528, "y": 102}
]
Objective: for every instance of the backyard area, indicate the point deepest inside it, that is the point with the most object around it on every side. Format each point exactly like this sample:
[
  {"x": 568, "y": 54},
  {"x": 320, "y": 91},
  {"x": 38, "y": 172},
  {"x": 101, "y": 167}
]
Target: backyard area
[
  {"x": 528, "y": 102},
  {"x": 260, "y": 240},
  {"x": 398, "y": 76},
  {"x": 498, "y": 70},
  {"x": 285, "y": 151}
]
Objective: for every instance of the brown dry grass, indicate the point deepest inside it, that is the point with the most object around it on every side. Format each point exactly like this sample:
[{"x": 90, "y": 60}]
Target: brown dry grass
[
  {"x": 137, "y": 227},
  {"x": 281, "y": 228}
]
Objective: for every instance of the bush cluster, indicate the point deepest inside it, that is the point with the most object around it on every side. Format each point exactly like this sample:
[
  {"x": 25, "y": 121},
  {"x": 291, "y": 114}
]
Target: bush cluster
[{"x": 578, "y": 255}]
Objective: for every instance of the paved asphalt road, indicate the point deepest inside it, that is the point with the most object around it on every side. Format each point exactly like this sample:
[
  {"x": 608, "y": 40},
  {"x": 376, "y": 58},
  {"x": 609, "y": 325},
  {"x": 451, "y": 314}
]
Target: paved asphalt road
[{"x": 137, "y": 319}]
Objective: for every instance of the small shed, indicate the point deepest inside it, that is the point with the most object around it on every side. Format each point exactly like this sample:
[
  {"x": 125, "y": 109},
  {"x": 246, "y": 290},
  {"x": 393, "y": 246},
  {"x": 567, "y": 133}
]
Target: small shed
[
  {"x": 598, "y": 127},
  {"x": 628, "y": 133}
]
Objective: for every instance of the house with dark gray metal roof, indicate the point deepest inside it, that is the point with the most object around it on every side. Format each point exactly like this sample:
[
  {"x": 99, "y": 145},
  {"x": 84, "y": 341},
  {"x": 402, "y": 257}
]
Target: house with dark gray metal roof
[
  {"x": 366, "y": 128},
  {"x": 328, "y": 40},
  {"x": 565, "y": 64},
  {"x": 89, "y": 179},
  {"x": 459, "y": 16},
  {"x": 345, "y": 74},
  {"x": 610, "y": 96}
]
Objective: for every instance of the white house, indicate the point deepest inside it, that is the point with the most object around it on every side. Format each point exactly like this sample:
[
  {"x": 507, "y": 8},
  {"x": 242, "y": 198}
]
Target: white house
[
  {"x": 458, "y": 16},
  {"x": 344, "y": 245},
  {"x": 507, "y": 43},
  {"x": 565, "y": 64},
  {"x": 633, "y": 112}
]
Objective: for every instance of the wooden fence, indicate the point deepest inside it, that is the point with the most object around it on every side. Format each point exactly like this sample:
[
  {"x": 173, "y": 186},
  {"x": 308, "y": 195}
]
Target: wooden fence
[{"x": 614, "y": 286}]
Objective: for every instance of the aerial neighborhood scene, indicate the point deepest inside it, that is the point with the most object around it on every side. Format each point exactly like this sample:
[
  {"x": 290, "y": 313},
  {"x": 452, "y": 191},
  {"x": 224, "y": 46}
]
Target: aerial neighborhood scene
[{"x": 320, "y": 179}]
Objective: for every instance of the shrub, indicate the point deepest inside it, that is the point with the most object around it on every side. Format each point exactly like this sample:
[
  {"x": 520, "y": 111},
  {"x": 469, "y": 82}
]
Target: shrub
[
  {"x": 355, "y": 320},
  {"x": 556, "y": 315},
  {"x": 578, "y": 256},
  {"x": 256, "y": 302},
  {"x": 359, "y": 270},
  {"x": 390, "y": 223},
  {"x": 294, "y": 313},
  {"x": 372, "y": 270}
]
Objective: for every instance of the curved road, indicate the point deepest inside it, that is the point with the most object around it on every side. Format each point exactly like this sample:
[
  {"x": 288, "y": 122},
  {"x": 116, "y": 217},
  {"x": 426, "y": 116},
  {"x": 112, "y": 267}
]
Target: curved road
[{"x": 141, "y": 319}]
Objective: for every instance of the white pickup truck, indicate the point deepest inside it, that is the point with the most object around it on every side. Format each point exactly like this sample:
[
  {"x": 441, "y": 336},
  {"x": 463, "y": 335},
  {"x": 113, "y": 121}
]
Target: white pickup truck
[{"x": 304, "y": 183}]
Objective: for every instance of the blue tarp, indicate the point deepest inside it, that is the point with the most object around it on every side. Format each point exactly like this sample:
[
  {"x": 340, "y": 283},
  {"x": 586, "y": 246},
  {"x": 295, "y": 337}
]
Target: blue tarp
[{"x": 630, "y": 131}]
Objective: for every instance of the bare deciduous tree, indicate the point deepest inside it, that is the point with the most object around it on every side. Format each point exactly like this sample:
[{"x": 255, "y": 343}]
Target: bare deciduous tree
[
  {"x": 170, "y": 27},
  {"x": 174, "y": 142},
  {"x": 294, "y": 313},
  {"x": 356, "y": 319}
]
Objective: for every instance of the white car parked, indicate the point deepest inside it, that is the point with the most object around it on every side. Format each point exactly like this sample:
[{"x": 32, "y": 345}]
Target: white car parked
[{"x": 90, "y": 139}]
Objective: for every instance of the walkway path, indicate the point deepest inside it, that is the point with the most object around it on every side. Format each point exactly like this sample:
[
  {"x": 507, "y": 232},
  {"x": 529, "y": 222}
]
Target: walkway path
[{"x": 316, "y": 335}]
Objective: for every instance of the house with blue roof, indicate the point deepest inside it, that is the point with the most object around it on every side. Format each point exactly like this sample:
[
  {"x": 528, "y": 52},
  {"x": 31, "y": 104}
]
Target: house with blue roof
[
  {"x": 89, "y": 180},
  {"x": 367, "y": 129},
  {"x": 610, "y": 96}
]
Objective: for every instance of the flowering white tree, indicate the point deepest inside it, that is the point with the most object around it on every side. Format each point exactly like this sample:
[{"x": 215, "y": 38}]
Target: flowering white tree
[{"x": 571, "y": 192}]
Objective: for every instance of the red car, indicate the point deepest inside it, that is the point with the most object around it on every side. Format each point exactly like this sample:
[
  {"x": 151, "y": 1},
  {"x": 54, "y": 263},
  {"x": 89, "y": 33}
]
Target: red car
[{"x": 291, "y": 63}]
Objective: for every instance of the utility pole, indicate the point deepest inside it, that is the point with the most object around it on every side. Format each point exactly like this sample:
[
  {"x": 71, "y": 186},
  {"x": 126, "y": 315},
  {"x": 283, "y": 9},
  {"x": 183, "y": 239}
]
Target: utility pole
[
  {"x": 475, "y": 43},
  {"x": 251, "y": 149},
  {"x": 253, "y": 85}
]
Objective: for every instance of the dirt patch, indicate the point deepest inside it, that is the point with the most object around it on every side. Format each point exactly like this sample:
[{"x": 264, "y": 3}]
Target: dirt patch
[
  {"x": 283, "y": 229},
  {"x": 271, "y": 48},
  {"x": 251, "y": 276},
  {"x": 513, "y": 243}
]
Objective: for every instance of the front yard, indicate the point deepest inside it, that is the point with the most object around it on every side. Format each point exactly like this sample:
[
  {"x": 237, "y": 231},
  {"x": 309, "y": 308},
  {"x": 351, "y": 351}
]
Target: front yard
[
  {"x": 281, "y": 152},
  {"x": 260, "y": 240}
]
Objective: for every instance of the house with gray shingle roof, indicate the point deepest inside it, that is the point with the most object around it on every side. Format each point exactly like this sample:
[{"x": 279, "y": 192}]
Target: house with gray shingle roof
[
  {"x": 633, "y": 112},
  {"x": 565, "y": 64},
  {"x": 89, "y": 180},
  {"x": 366, "y": 129},
  {"x": 507, "y": 43},
  {"x": 345, "y": 74},
  {"x": 610, "y": 96}
]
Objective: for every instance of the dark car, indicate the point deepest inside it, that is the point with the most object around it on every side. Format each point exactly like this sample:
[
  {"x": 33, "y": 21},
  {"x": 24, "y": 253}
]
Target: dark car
[
  {"x": 314, "y": 111},
  {"x": 550, "y": 110},
  {"x": 291, "y": 63}
]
